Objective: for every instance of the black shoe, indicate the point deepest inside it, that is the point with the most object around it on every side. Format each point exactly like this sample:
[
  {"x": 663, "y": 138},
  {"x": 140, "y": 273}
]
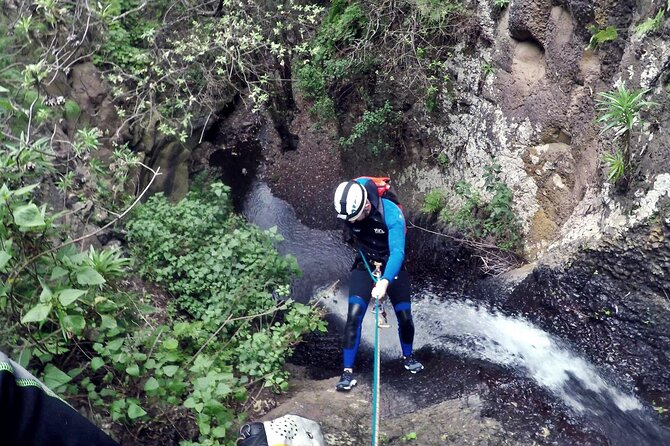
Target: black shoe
[
  {"x": 412, "y": 364},
  {"x": 347, "y": 381}
]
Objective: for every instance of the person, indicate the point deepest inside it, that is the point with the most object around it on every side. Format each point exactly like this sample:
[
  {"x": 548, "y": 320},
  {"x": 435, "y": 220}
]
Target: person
[
  {"x": 377, "y": 226},
  {"x": 32, "y": 415}
]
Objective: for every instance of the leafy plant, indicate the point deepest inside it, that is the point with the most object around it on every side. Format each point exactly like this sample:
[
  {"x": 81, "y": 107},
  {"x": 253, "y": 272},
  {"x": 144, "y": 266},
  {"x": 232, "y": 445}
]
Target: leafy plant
[
  {"x": 433, "y": 202},
  {"x": 86, "y": 140},
  {"x": 600, "y": 36},
  {"x": 432, "y": 95},
  {"x": 651, "y": 24},
  {"x": 443, "y": 160},
  {"x": 658, "y": 408},
  {"x": 488, "y": 68},
  {"x": 620, "y": 112},
  {"x": 323, "y": 66},
  {"x": 71, "y": 110},
  {"x": 409, "y": 437},
  {"x": 616, "y": 165},
  {"x": 373, "y": 127},
  {"x": 437, "y": 11},
  {"x": 222, "y": 273},
  {"x": 494, "y": 219},
  {"x": 621, "y": 108},
  {"x": 360, "y": 46},
  {"x": 501, "y": 3},
  {"x": 108, "y": 262},
  {"x": 66, "y": 315}
]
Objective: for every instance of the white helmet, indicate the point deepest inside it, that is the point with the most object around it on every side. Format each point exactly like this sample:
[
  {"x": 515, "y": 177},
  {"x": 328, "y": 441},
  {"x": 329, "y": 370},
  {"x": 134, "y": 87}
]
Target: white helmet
[{"x": 349, "y": 200}]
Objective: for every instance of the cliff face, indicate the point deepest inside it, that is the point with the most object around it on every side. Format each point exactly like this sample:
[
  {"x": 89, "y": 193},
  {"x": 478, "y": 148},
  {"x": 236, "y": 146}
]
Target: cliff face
[
  {"x": 522, "y": 93},
  {"x": 526, "y": 96},
  {"x": 536, "y": 111}
]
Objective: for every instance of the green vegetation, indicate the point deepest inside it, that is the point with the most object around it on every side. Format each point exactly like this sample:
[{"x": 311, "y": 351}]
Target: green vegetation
[
  {"x": 170, "y": 64},
  {"x": 488, "y": 68},
  {"x": 651, "y": 24},
  {"x": 432, "y": 96},
  {"x": 72, "y": 110},
  {"x": 71, "y": 311},
  {"x": 620, "y": 113},
  {"x": 600, "y": 36},
  {"x": 501, "y": 3},
  {"x": 492, "y": 221},
  {"x": 374, "y": 128},
  {"x": 616, "y": 165},
  {"x": 325, "y": 68},
  {"x": 443, "y": 160},
  {"x": 231, "y": 333},
  {"x": 659, "y": 409},
  {"x": 68, "y": 314},
  {"x": 409, "y": 437},
  {"x": 433, "y": 202},
  {"x": 363, "y": 49}
]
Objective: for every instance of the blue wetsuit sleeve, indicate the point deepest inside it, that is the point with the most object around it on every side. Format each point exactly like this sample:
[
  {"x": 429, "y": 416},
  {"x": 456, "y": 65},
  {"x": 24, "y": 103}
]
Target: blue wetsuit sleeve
[{"x": 395, "y": 222}]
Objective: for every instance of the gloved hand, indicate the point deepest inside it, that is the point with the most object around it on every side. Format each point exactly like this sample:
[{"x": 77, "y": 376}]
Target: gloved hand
[{"x": 379, "y": 291}]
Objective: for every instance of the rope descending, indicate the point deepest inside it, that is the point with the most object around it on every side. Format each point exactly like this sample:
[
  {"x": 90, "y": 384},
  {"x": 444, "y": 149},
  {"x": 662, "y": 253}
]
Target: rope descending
[{"x": 376, "y": 371}]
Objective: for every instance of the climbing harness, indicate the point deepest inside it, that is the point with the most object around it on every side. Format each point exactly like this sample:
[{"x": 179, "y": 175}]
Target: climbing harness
[
  {"x": 375, "y": 381},
  {"x": 380, "y": 303}
]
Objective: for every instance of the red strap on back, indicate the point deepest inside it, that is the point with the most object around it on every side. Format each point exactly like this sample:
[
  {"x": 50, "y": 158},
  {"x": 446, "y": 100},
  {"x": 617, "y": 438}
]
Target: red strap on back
[{"x": 382, "y": 183}]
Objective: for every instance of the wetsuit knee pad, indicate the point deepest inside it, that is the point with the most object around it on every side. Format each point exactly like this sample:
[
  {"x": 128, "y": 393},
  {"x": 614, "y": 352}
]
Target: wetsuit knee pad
[
  {"x": 354, "y": 319},
  {"x": 405, "y": 326}
]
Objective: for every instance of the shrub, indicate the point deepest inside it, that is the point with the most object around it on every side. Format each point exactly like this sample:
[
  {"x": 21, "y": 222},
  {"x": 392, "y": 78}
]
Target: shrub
[
  {"x": 600, "y": 36},
  {"x": 375, "y": 128},
  {"x": 479, "y": 219},
  {"x": 231, "y": 331},
  {"x": 651, "y": 24},
  {"x": 620, "y": 112},
  {"x": 433, "y": 202}
]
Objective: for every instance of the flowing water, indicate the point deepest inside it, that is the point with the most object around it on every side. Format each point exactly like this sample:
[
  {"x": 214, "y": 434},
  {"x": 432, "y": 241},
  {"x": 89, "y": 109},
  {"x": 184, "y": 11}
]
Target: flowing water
[{"x": 460, "y": 340}]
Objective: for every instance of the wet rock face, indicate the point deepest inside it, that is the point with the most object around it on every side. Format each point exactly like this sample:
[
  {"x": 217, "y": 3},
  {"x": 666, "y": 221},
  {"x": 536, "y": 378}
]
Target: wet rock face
[
  {"x": 528, "y": 20},
  {"x": 543, "y": 90},
  {"x": 552, "y": 167},
  {"x": 613, "y": 304}
]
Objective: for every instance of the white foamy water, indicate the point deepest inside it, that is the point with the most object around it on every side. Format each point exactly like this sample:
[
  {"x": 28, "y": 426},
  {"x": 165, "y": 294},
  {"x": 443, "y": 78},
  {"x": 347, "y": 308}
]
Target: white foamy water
[{"x": 475, "y": 332}]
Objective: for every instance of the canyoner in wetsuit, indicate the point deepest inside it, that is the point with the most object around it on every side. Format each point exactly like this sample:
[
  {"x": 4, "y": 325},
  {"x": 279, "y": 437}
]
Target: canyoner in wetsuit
[{"x": 377, "y": 226}]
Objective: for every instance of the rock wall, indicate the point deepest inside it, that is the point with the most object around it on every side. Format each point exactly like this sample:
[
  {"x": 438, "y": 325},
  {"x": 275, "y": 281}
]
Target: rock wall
[
  {"x": 86, "y": 85},
  {"x": 613, "y": 305},
  {"x": 535, "y": 114},
  {"x": 524, "y": 96}
]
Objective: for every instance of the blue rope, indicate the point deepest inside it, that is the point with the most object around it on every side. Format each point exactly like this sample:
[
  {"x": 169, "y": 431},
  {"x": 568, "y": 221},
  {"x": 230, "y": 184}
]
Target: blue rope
[
  {"x": 375, "y": 381},
  {"x": 375, "y": 378},
  {"x": 367, "y": 266}
]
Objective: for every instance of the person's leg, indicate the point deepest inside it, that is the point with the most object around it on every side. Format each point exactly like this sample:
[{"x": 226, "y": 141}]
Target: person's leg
[
  {"x": 400, "y": 294},
  {"x": 360, "y": 288}
]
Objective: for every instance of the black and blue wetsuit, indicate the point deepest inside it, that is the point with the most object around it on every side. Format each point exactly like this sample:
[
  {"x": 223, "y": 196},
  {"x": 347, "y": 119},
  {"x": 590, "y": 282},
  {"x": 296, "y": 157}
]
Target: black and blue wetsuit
[{"x": 379, "y": 237}]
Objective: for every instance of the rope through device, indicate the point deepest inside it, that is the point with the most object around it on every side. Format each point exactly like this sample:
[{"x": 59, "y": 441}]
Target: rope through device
[{"x": 375, "y": 380}]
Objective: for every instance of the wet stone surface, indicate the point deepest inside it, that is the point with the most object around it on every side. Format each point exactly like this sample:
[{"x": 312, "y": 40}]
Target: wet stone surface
[{"x": 582, "y": 314}]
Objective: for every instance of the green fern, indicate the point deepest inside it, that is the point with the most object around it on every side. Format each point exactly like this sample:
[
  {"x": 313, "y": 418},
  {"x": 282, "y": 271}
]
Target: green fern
[
  {"x": 433, "y": 202},
  {"x": 650, "y": 24}
]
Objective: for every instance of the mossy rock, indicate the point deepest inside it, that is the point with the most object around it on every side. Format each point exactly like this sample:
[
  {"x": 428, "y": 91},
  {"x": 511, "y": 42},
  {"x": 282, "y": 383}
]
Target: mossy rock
[{"x": 71, "y": 110}]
